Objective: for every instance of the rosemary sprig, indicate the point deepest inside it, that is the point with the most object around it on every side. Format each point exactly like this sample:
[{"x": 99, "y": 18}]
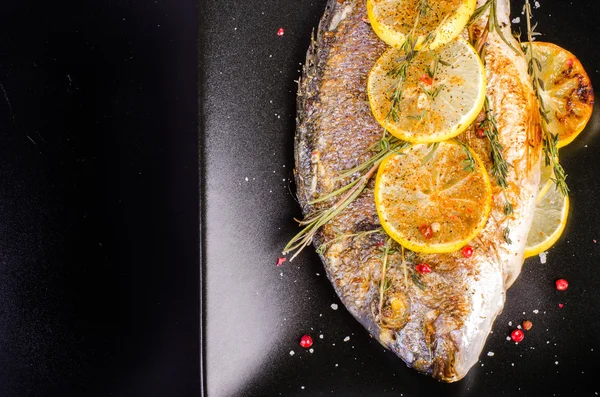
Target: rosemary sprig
[
  {"x": 410, "y": 52},
  {"x": 492, "y": 24},
  {"x": 469, "y": 161},
  {"x": 306, "y": 235},
  {"x": 505, "y": 235},
  {"x": 490, "y": 127},
  {"x": 429, "y": 155},
  {"x": 387, "y": 145},
  {"x": 550, "y": 140},
  {"x": 417, "y": 281},
  {"x": 478, "y": 13},
  {"x": 489, "y": 124},
  {"x": 323, "y": 247},
  {"x": 349, "y": 191}
]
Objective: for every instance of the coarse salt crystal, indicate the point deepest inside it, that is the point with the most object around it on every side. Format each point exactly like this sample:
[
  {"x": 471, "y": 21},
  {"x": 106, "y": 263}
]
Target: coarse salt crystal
[
  {"x": 543, "y": 257},
  {"x": 311, "y": 350},
  {"x": 516, "y": 20},
  {"x": 346, "y": 339},
  {"x": 491, "y": 354},
  {"x": 510, "y": 323},
  {"x": 292, "y": 352},
  {"x": 334, "y": 306},
  {"x": 536, "y": 311},
  {"x": 321, "y": 336}
]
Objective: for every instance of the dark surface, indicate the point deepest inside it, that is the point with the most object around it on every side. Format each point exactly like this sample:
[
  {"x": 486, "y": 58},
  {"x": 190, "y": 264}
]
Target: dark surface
[
  {"x": 255, "y": 313},
  {"x": 98, "y": 198}
]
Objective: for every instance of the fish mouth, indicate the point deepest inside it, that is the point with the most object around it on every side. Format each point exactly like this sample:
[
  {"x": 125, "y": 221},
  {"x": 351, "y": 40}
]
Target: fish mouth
[{"x": 437, "y": 344}]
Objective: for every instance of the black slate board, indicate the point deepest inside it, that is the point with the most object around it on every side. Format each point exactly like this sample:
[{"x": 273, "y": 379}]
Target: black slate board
[
  {"x": 99, "y": 217},
  {"x": 255, "y": 312}
]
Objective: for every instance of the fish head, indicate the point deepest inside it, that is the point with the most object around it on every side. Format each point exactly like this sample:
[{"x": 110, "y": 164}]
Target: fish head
[{"x": 441, "y": 330}]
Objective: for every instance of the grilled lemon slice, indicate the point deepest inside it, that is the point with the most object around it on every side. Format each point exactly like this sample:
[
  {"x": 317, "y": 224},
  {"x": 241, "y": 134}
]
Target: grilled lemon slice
[
  {"x": 549, "y": 221},
  {"x": 433, "y": 97},
  {"x": 394, "y": 20},
  {"x": 433, "y": 198},
  {"x": 566, "y": 91}
]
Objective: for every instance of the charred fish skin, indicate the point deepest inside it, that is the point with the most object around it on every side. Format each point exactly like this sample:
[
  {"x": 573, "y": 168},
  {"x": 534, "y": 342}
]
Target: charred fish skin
[{"x": 437, "y": 325}]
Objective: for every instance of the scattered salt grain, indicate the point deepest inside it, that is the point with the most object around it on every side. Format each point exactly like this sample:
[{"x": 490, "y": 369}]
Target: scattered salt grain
[
  {"x": 321, "y": 336},
  {"x": 508, "y": 338},
  {"x": 542, "y": 257},
  {"x": 536, "y": 311},
  {"x": 346, "y": 339},
  {"x": 556, "y": 363},
  {"x": 311, "y": 350},
  {"x": 246, "y": 178},
  {"x": 292, "y": 353},
  {"x": 302, "y": 387},
  {"x": 516, "y": 20},
  {"x": 536, "y": 4},
  {"x": 510, "y": 323},
  {"x": 490, "y": 354},
  {"x": 334, "y": 306}
]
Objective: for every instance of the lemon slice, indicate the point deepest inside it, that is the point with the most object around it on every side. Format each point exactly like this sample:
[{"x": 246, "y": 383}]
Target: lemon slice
[
  {"x": 546, "y": 182},
  {"x": 567, "y": 91},
  {"x": 441, "y": 95},
  {"x": 394, "y": 20},
  {"x": 428, "y": 201},
  {"x": 549, "y": 221}
]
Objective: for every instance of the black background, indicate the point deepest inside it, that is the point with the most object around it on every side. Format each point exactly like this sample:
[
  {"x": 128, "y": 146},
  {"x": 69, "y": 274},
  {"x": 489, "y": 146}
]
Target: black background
[
  {"x": 99, "y": 198},
  {"x": 255, "y": 313}
]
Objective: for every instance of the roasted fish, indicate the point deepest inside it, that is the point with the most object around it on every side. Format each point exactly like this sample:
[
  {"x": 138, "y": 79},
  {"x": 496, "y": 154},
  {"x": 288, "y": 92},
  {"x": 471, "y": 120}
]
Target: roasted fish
[{"x": 437, "y": 324}]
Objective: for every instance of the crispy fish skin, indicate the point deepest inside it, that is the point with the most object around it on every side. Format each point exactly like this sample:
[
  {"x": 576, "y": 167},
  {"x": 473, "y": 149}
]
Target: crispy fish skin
[{"x": 437, "y": 324}]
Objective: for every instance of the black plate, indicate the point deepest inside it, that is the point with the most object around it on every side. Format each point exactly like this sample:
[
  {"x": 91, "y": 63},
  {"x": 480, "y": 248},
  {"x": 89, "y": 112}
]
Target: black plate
[{"x": 255, "y": 312}]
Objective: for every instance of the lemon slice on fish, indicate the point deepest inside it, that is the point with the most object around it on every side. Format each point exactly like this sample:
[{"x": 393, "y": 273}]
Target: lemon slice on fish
[
  {"x": 433, "y": 198},
  {"x": 566, "y": 91},
  {"x": 433, "y": 97},
  {"x": 546, "y": 178},
  {"x": 442, "y": 20},
  {"x": 549, "y": 221}
]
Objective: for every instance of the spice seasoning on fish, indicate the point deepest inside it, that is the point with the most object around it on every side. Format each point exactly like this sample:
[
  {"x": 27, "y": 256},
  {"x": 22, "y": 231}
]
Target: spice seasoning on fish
[
  {"x": 517, "y": 335},
  {"x": 562, "y": 284},
  {"x": 306, "y": 341}
]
